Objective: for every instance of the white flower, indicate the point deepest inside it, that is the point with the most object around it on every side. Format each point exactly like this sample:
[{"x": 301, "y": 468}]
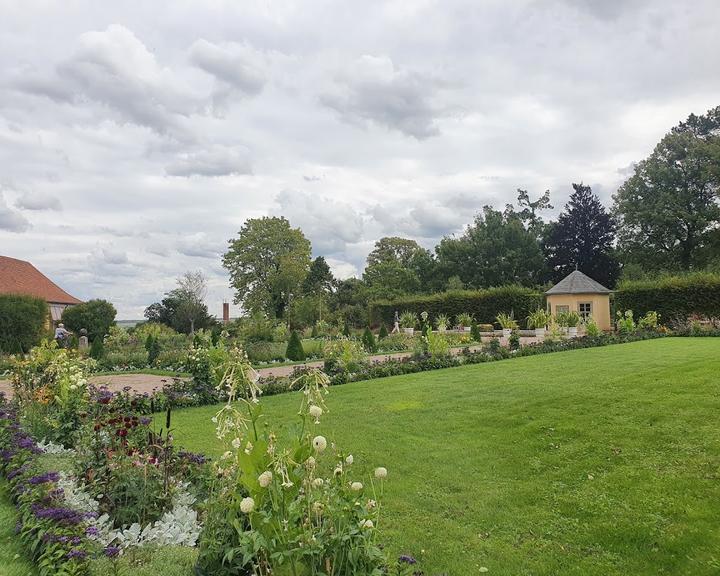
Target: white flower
[
  {"x": 236, "y": 443},
  {"x": 367, "y": 524},
  {"x": 317, "y": 507},
  {"x": 318, "y": 482},
  {"x": 381, "y": 473},
  {"x": 338, "y": 470},
  {"x": 247, "y": 505},
  {"x": 316, "y": 412},
  {"x": 248, "y": 447},
  {"x": 319, "y": 443},
  {"x": 226, "y": 455},
  {"x": 349, "y": 460},
  {"x": 371, "y": 504},
  {"x": 356, "y": 486},
  {"x": 310, "y": 462},
  {"x": 265, "y": 478},
  {"x": 73, "y": 386}
]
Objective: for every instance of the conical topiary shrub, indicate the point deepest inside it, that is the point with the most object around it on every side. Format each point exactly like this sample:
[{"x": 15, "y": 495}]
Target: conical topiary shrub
[
  {"x": 368, "y": 340},
  {"x": 383, "y": 332},
  {"x": 475, "y": 332},
  {"x": 346, "y": 330},
  {"x": 97, "y": 348},
  {"x": 295, "y": 350}
]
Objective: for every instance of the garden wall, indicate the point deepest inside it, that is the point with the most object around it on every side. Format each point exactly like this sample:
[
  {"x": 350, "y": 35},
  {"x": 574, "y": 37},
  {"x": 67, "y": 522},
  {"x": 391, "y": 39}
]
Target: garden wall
[
  {"x": 675, "y": 298},
  {"x": 484, "y": 305}
]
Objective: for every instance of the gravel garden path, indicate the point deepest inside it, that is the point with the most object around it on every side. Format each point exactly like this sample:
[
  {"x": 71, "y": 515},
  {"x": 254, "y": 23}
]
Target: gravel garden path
[{"x": 142, "y": 383}]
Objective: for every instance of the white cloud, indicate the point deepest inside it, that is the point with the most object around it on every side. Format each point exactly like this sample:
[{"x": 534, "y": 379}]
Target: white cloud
[
  {"x": 11, "y": 220},
  {"x": 38, "y": 201}
]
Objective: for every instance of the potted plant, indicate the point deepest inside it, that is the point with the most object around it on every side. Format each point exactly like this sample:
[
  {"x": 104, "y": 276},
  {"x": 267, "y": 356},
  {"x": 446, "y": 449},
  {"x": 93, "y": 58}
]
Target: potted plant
[
  {"x": 408, "y": 321},
  {"x": 507, "y": 323},
  {"x": 442, "y": 322},
  {"x": 572, "y": 319},
  {"x": 539, "y": 320},
  {"x": 465, "y": 321}
]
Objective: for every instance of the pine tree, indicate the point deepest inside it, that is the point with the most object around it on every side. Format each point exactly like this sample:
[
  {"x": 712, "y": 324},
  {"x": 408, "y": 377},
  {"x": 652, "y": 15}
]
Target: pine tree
[
  {"x": 368, "y": 340},
  {"x": 582, "y": 239},
  {"x": 295, "y": 351},
  {"x": 383, "y": 331}
]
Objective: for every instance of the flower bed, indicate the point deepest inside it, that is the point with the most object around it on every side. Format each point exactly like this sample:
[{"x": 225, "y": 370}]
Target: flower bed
[{"x": 113, "y": 483}]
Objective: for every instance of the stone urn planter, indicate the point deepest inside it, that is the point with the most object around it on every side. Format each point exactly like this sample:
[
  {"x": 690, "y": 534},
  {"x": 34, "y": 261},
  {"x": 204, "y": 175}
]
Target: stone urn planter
[
  {"x": 409, "y": 331},
  {"x": 572, "y": 331},
  {"x": 467, "y": 329},
  {"x": 507, "y": 332},
  {"x": 442, "y": 330},
  {"x": 539, "y": 332}
]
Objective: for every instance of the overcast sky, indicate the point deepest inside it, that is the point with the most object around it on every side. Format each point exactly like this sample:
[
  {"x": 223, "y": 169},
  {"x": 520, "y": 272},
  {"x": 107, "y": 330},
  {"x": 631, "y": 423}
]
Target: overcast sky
[{"x": 137, "y": 137}]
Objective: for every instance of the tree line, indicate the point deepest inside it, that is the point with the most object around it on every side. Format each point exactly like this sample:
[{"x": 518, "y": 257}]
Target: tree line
[{"x": 664, "y": 218}]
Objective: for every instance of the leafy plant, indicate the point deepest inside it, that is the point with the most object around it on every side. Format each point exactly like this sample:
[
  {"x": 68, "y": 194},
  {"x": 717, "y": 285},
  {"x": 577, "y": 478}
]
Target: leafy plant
[
  {"x": 344, "y": 354},
  {"x": 507, "y": 321},
  {"x": 475, "y": 332},
  {"x": 465, "y": 320},
  {"x": 295, "y": 505},
  {"x": 539, "y": 318},
  {"x": 591, "y": 327},
  {"x": 437, "y": 345},
  {"x": 625, "y": 322},
  {"x": 650, "y": 321},
  {"x": 442, "y": 322},
  {"x": 408, "y": 319}
]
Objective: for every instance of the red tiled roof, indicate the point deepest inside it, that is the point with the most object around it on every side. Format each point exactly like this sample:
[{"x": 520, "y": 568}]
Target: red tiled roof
[{"x": 20, "y": 277}]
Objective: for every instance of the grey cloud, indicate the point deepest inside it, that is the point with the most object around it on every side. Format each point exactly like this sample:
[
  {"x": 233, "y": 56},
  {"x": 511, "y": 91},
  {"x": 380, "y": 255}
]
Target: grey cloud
[
  {"x": 238, "y": 65},
  {"x": 199, "y": 246},
  {"x": 374, "y": 90},
  {"x": 11, "y": 220},
  {"x": 38, "y": 201},
  {"x": 115, "y": 69},
  {"x": 329, "y": 224},
  {"x": 212, "y": 162}
]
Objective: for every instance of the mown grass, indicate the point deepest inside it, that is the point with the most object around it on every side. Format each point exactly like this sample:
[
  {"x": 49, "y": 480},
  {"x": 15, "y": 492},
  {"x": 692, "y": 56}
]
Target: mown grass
[
  {"x": 13, "y": 559},
  {"x": 603, "y": 461}
]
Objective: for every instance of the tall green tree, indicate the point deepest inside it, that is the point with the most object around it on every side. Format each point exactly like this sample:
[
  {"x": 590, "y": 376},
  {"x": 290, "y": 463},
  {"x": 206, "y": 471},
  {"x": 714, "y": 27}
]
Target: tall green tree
[
  {"x": 398, "y": 266},
  {"x": 95, "y": 316},
  {"x": 268, "y": 262},
  {"x": 184, "y": 308},
  {"x": 319, "y": 280},
  {"x": 668, "y": 209},
  {"x": 498, "y": 248},
  {"x": 582, "y": 238}
]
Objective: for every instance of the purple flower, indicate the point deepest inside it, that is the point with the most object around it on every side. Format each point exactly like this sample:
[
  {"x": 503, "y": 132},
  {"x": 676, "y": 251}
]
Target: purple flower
[
  {"x": 407, "y": 559},
  {"x": 44, "y": 478},
  {"x": 112, "y": 551},
  {"x": 76, "y": 553},
  {"x": 145, "y": 421},
  {"x": 92, "y": 531},
  {"x": 60, "y": 515}
]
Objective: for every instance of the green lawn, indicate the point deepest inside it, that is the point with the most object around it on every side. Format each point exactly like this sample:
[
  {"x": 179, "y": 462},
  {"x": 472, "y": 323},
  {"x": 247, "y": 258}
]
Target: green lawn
[
  {"x": 603, "y": 461},
  {"x": 13, "y": 559}
]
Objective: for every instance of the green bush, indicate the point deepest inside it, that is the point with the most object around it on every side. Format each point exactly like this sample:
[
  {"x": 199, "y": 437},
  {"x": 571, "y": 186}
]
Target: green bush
[
  {"x": 96, "y": 316},
  {"x": 483, "y": 305},
  {"x": 383, "y": 331},
  {"x": 295, "y": 351},
  {"x": 22, "y": 322},
  {"x": 368, "y": 340},
  {"x": 674, "y": 298},
  {"x": 97, "y": 349},
  {"x": 266, "y": 351},
  {"x": 152, "y": 345}
]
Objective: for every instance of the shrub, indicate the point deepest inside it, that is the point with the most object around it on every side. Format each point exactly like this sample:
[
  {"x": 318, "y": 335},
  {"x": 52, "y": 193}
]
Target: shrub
[
  {"x": 437, "y": 345},
  {"x": 22, "y": 322},
  {"x": 475, "y": 332},
  {"x": 343, "y": 354},
  {"x": 625, "y": 322},
  {"x": 651, "y": 321},
  {"x": 346, "y": 330},
  {"x": 465, "y": 320},
  {"x": 96, "y": 316},
  {"x": 591, "y": 328},
  {"x": 514, "y": 340},
  {"x": 383, "y": 331},
  {"x": 484, "y": 305},
  {"x": 368, "y": 340},
  {"x": 266, "y": 351},
  {"x": 152, "y": 345},
  {"x": 538, "y": 318},
  {"x": 295, "y": 350},
  {"x": 674, "y": 298},
  {"x": 97, "y": 349},
  {"x": 507, "y": 321}
]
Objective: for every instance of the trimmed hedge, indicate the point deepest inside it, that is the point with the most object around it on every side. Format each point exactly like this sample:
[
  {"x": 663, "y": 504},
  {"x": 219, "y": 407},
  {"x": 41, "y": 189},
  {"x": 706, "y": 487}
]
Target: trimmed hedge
[
  {"x": 484, "y": 305},
  {"x": 22, "y": 322},
  {"x": 675, "y": 298}
]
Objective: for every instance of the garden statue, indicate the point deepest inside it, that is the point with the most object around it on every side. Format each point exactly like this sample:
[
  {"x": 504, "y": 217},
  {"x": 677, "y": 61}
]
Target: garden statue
[
  {"x": 396, "y": 327},
  {"x": 83, "y": 340}
]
